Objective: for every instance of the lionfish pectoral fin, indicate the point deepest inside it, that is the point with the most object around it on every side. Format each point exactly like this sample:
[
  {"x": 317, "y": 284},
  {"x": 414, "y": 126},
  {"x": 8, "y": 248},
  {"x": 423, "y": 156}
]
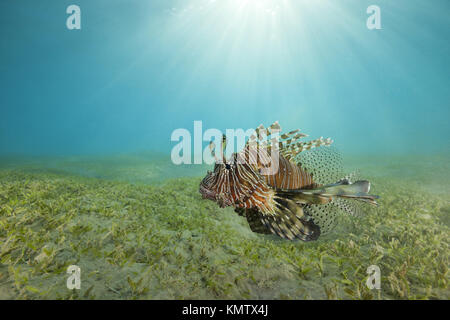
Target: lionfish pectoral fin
[
  {"x": 254, "y": 219},
  {"x": 290, "y": 222},
  {"x": 240, "y": 211}
]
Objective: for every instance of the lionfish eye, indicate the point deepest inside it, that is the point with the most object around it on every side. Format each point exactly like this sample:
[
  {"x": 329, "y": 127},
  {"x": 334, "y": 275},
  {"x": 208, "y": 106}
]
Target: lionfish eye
[{"x": 227, "y": 166}]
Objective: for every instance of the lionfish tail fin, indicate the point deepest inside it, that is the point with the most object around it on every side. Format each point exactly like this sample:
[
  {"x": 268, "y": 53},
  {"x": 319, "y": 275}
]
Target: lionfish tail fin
[{"x": 358, "y": 190}]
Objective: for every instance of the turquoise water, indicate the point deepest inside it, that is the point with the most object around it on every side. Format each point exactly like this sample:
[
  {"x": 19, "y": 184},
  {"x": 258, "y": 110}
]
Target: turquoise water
[
  {"x": 86, "y": 120},
  {"x": 138, "y": 70}
]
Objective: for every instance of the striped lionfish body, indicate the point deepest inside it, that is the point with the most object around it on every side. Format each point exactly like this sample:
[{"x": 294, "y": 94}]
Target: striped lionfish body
[{"x": 286, "y": 199}]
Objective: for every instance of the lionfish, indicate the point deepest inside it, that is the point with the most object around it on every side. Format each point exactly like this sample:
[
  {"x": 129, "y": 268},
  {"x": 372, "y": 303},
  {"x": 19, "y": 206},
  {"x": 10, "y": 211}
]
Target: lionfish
[{"x": 300, "y": 200}]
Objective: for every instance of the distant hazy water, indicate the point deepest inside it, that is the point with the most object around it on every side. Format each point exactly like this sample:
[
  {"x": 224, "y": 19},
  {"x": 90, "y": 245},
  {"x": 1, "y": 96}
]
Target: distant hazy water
[{"x": 431, "y": 172}]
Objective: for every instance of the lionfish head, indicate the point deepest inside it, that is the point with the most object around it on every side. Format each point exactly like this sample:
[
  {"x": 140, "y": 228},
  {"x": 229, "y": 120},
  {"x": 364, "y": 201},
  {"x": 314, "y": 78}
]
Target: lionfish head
[
  {"x": 207, "y": 186},
  {"x": 216, "y": 185},
  {"x": 211, "y": 185}
]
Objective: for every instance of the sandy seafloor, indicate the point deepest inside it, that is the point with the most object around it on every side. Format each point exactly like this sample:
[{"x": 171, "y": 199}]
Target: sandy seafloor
[{"x": 139, "y": 231}]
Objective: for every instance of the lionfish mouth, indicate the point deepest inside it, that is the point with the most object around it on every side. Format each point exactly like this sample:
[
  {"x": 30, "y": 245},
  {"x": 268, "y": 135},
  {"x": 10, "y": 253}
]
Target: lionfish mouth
[{"x": 207, "y": 193}]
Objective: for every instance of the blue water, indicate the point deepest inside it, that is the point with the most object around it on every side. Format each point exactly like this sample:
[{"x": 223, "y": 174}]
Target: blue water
[
  {"x": 86, "y": 121},
  {"x": 137, "y": 70}
]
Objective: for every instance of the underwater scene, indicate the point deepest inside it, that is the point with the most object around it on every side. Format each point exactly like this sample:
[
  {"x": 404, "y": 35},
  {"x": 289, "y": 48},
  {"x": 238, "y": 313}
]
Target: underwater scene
[{"x": 224, "y": 150}]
